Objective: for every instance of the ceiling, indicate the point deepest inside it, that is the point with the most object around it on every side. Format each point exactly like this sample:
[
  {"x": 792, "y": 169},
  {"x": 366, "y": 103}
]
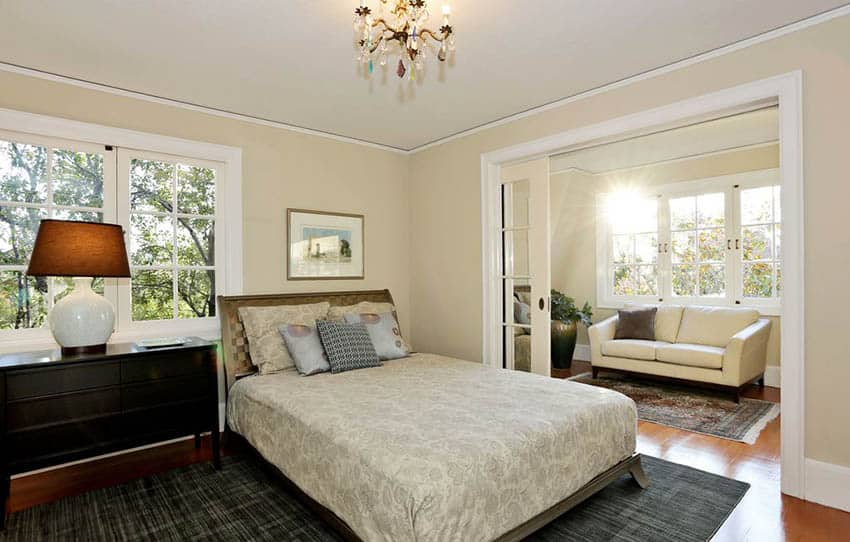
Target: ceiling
[
  {"x": 724, "y": 134},
  {"x": 292, "y": 61}
]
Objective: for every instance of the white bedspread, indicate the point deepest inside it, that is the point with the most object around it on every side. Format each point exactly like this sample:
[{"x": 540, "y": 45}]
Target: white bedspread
[{"x": 433, "y": 448}]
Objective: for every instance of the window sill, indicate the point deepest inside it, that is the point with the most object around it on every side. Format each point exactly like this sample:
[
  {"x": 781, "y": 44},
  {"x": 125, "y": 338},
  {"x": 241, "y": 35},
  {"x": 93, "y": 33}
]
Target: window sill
[{"x": 764, "y": 311}]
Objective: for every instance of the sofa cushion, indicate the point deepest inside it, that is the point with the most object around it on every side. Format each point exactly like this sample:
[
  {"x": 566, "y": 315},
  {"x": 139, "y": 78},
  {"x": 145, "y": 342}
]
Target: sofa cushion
[
  {"x": 667, "y": 320},
  {"x": 631, "y": 348},
  {"x": 713, "y": 326},
  {"x": 636, "y": 324},
  {"x": 692, "y": 355}
]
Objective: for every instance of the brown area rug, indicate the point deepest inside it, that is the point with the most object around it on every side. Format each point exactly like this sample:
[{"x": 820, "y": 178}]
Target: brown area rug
[{"x": 691, "y": 409}]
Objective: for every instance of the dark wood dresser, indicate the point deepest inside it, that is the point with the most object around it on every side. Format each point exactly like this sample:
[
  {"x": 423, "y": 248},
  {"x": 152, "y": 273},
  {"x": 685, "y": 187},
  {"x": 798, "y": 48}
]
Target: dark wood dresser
[{"x": 55, "y": 409}]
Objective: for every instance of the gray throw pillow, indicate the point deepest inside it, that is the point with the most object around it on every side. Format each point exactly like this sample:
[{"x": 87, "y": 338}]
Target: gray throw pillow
[
  {"x": 522, "y": 314},
  {"x": 305, "y": 347},
  {"x": 385, "y": 334},
  {"x": 347, "y": 346},
  {"x": 636, "y": 324}
]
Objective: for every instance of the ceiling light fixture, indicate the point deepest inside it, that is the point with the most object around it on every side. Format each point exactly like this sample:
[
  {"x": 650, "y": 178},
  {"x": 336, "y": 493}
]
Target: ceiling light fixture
[{"x": 400, "y": 24}]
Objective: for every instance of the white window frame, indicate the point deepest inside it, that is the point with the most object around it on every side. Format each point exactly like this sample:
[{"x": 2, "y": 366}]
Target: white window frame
[
  {"x": 228, "y": 215},
  {"x": 730, "y": 185}
]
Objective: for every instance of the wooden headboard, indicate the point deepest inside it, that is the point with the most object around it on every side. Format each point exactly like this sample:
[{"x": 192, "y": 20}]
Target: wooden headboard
[{"x": 234, "y": 344}]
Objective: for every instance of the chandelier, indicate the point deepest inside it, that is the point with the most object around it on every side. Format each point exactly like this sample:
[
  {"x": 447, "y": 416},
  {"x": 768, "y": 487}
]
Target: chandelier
[{"x": 399, "y": 27}]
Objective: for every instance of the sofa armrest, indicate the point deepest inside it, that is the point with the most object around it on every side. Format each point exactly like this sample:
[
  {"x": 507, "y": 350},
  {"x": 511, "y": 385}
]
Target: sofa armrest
[
  {"x": 598, "y": 333},
  {"x": 746, "y": 353}
]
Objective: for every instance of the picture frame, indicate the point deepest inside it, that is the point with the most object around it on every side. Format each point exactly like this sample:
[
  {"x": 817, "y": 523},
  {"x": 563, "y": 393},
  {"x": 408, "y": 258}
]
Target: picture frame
[{"x": 324, "y": 245}]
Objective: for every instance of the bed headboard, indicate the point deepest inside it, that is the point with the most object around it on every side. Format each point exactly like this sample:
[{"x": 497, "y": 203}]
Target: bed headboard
[{"x": 234, "y": 344}]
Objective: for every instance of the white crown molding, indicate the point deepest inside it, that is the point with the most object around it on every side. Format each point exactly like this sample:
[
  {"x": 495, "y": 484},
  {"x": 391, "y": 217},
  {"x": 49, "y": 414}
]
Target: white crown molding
[
  {"x": 702, "y": 57},
  {"x": 743, "y": 44},
  {"x": 827, "y": 483},
  {"x": 48, "y": 76}
]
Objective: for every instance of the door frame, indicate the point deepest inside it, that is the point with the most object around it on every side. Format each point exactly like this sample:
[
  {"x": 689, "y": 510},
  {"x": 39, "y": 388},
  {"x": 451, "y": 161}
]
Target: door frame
[{"x": 786, "y": 90}]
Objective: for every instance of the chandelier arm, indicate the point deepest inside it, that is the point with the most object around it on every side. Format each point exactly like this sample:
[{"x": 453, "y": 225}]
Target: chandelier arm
[{"x": 431, "y": 33}]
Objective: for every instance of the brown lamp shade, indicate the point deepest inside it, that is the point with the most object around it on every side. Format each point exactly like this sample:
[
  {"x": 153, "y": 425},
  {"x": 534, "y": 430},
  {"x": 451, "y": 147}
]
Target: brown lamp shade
[{"x": 65, "y": 248}]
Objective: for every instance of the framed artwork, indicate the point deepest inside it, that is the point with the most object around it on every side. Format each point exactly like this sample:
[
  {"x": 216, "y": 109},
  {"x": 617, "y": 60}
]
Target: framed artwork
[{"x": 324, "y": 246}]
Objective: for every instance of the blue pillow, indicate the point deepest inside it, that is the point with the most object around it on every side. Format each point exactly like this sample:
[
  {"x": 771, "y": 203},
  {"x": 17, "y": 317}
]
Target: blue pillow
[
  {"x": 385, "y": 334},
  {"x": 305, "y": 347}
]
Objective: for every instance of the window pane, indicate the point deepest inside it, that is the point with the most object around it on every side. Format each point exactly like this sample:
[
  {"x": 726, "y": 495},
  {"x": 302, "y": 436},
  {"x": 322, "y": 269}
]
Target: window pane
[
  {"x": 711, "y": 209},
  {"x": 683, "y": 213},
  {"x": 758, "y": 280},
  {"x": 151, "y": 185},
  {"x": 684, "y": 247},
  {"x": 684, "y": 280},
  {"x": 86, "y": 216},
  {"x": 151, "y": 240},
  {"x": 195, "y": 190},
  {"x": 22, "y": 300},
  {"x": 757, "y": 205},
  {"x": 196, "y": 242},
  {"x": 757, "y": 243},
  {"x": 712, "y": 245},
  {"x": 23, "y": 172},
  {"x": 516, "y": 252},
  {"x": 628, "y": 213},
  {"x": 18, "y": 226},
  {"x": 647, "y": 277},
  {"x": 196, "y": 293},
  {"x": 777, "y": 243},
  {"x": 712, "y": 280},
  {"x": 77, "y": 178},
  {"x": 646, "y": 248},
  {"x": 778, "y": 280},
  {"x": 623, "y": 283},
  {"x": 623, "y": 249},
  {"x": 777, "y": 203},
  {"x": 153, "y": 295}
]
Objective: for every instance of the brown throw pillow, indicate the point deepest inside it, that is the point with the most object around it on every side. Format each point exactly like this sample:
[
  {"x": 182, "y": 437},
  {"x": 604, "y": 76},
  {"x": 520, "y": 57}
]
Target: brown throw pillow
[{"x": 636, "y": 324}]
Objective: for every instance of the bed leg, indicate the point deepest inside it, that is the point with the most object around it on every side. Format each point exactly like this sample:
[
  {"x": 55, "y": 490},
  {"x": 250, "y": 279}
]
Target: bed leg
[
  {"x": 639, "y": 476},
  {"x": 595, "y": 371}
]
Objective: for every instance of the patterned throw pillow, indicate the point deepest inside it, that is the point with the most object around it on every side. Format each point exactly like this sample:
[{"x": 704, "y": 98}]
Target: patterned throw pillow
[
  {"x": 385, "y": 334},
  {"x": 305, "y": 347},
  {"x": 522, "y": 314},
  {"x": 337, "y": 314},
  {"x": 347, "y": 346},
  {"x": 265, "y": 344}
]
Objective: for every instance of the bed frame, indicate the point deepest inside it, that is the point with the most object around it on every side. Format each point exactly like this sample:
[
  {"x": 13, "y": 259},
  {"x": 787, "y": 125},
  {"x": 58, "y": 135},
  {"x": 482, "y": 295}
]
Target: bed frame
[{"x": 237, "y": 364}]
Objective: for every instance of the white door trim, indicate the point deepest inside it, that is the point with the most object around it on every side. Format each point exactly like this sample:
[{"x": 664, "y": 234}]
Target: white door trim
[{"x": 787, "y": 90}]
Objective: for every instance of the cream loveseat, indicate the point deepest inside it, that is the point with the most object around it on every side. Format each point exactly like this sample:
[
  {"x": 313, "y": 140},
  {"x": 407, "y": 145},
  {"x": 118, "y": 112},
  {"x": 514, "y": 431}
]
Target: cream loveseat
[{"x": 720, "y": 347}]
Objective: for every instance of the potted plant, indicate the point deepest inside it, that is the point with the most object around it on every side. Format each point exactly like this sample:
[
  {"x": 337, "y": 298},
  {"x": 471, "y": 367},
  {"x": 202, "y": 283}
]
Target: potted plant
[{"x": 565, "y": 316}]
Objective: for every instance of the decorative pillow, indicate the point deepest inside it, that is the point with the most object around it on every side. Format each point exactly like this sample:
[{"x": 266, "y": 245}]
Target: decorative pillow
[
  {"x": 265, "y": 344},
  {"x": 347, "y": 346},
  {"x": 522, "y": 314},
  {"x": 385, "y": 334},
  {"x": 636, "y": 324},
  {"x": 305, "y": 347},
  {"x": 337, "y": 314}
]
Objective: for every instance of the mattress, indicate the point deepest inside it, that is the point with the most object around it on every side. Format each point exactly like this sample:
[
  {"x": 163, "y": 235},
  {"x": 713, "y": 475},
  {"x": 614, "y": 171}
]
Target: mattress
[{"x": 433, "y": 448}]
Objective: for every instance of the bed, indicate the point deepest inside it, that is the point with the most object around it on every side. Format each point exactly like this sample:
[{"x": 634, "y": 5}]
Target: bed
[{"x": 427, "y": 447}]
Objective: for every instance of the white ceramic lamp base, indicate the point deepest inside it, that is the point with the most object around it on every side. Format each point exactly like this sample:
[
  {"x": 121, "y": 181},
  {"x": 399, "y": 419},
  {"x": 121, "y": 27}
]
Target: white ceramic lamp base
[{"x": 83, "y": 320}]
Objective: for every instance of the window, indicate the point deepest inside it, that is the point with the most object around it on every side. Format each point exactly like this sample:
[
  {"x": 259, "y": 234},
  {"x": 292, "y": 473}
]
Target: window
[
  {"x": 715, "y": 242},
  {"x": 167, "y": 205}
]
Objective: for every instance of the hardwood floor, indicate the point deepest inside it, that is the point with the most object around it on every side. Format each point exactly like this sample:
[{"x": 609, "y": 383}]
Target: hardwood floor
[{"x": 763, "y": 515}]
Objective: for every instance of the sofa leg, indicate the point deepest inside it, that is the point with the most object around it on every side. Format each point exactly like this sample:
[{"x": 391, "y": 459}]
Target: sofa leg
[
  {"x": 736, "y": 396},
  {"x": 760, "y": 382},
  {"x": 595, "y": 371}
]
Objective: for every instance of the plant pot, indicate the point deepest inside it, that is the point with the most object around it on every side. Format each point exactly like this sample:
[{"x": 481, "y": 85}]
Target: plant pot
[{"x": 564, "y": 336}]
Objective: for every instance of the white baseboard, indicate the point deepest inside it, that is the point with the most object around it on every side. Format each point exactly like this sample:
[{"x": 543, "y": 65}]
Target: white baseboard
[
  {"x": 773, "y": 376},
  {"x": 582, "y": 352},
  {"x": 827, "y": 484}
]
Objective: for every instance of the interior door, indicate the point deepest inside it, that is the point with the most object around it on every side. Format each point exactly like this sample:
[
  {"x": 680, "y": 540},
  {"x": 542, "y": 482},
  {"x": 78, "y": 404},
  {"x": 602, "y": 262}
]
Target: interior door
[{"x": 525, "y": 267}]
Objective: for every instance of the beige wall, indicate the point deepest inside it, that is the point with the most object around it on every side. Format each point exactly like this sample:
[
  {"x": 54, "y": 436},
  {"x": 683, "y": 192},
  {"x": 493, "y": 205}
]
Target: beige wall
[
  {"x": 573, "y": 218},
  {"x": 445, "y": 199},
  {"x": 280, "y": 169}
]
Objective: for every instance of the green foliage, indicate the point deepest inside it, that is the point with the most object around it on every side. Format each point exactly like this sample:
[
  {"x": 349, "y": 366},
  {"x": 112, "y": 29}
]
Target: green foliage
[{"x": 564, "y": 309}]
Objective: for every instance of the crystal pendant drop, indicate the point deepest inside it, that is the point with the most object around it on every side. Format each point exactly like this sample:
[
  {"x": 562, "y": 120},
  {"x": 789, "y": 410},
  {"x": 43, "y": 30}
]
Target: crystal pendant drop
[
  {"x": 400, "y": 70},
  {"x": 383, "y": 60},
  {"x": 371, "y": 68},
  {"x": 442, "y": 54}
]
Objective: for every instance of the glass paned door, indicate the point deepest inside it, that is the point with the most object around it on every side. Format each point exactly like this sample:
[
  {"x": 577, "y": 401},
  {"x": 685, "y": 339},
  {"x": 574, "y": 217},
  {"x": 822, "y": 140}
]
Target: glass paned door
[{"x": 525, "y": 271}]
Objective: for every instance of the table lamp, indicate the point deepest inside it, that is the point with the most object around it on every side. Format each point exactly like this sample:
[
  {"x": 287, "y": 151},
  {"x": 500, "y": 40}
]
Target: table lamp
[{"x": 82, "y": 321}]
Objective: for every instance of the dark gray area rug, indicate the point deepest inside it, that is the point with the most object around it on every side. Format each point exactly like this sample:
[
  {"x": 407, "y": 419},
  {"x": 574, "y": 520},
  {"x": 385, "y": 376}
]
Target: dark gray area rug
[{"x": 242, "y": 502}]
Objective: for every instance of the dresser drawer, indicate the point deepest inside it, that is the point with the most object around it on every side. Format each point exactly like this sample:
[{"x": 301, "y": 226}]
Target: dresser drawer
[
  {"x": 164, "y": 366},
  {"x": 30, "y": 445},
  {"x": 62, "y": 408},
  {"x": 183, "y": 418},
  {"x": 54, "y": 380},
  {"x": 171, "y": 390}
]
